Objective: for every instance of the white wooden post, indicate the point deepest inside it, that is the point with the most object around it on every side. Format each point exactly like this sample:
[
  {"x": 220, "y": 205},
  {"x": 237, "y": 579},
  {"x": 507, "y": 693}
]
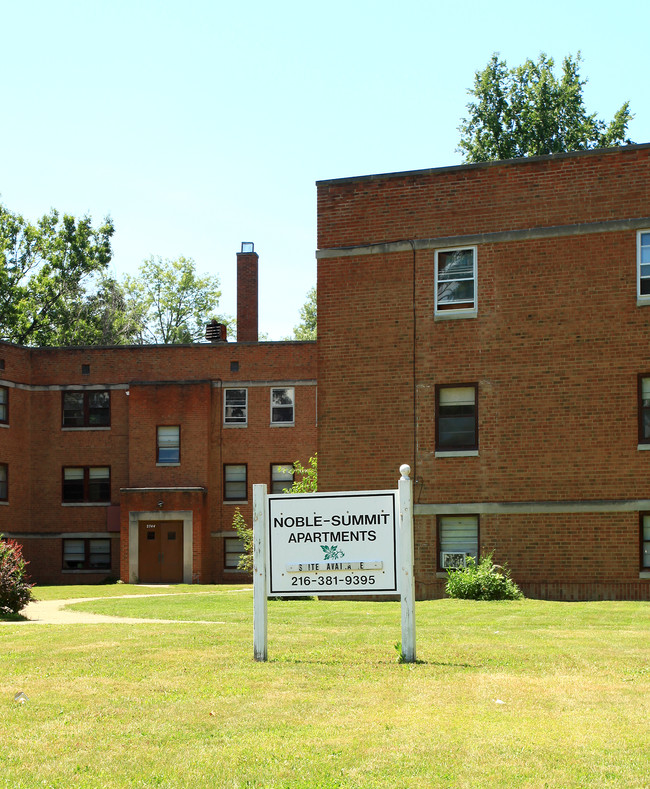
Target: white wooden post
[
  {"x": 259, "y": 573},
  {"x": 406, "y": 575}
]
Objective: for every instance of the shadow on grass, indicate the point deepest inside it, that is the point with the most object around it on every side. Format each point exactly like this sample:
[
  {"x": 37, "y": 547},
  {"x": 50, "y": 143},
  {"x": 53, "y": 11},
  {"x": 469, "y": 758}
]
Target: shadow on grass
[
  {"x": 347, "y": 661},
  {"x": 13, "y": 618}
]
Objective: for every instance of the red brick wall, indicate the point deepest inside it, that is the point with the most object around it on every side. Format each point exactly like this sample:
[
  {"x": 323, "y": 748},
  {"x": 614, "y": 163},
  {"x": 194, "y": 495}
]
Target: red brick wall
[
  {"x": 481, "y": 198},
  {"x": 555, "y": 350},
  {"x": 166, "y": 385}
]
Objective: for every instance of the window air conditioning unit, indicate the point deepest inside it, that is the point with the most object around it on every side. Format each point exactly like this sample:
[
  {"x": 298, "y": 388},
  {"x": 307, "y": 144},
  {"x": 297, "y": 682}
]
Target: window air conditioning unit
[{"x": 452, "y": 560}]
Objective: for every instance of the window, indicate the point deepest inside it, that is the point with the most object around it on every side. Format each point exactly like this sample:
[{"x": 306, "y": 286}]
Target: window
[
  {"x": 456, "y": 281},
  {"x": 86, "y": 554},
  {"x": 4, "y": 405},
  {"x": 645, "y": 542},
  {"x": 282, "y": 406},
  {"x": 86, "y": 484},
  {"x": 86, "y": 409},
  {"x": 643, "y": 264},
  {"x": 235, "y": 482},
  {"x": 644, "y": 409},
  {"x": 235, "y": 406},
  {"x": 281, "y": 477},
  {"x": 4, "y": 482},
  {"x": 456, "y": 418},
  {"x": 457, "y": 539},
  {"x": 168, "y": 444},
  {"x": 234, "y": 548}
]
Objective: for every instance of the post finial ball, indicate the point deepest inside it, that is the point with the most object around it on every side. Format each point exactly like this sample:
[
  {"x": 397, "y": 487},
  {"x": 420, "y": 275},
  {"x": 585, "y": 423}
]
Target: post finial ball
[{"x": 405, "y": 470}]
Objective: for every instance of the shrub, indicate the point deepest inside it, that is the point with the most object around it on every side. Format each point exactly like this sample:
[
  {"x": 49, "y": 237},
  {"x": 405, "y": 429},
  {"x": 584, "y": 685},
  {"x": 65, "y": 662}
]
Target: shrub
[
  {"x": 15, "y": 589},
  {"x": 482, "y": 581}
]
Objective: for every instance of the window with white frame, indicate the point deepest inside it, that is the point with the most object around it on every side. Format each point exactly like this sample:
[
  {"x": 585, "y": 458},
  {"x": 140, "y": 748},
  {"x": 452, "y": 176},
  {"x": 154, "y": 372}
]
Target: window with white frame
[
  {"x": 4, "y": 405},
  {"x": 235, "y": 406},
  {"x": 456, "y": 418},
  {"x": 645, "y": 542},
  {"x": 281, "y": 477},
  {"x": 86, "y": 484},
  {"x": 235, "y": 482},
  {"x": 168, "y": 444},
  {"x": 233, "y": 550},
  {"x": 4, "y": 482},
  {"x": 643, "y": 264},
  {"x": 644, "y": 409},
  {"x": 282, "y": 405},
  {"x": 457, "y": 539},
  {"x": 86, "y": 554},
  {"x": 455, "y": 293}
]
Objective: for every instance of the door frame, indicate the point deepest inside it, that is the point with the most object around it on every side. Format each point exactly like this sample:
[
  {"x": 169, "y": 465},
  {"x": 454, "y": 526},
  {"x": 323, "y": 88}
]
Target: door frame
[{"x": 186, "y": 516}]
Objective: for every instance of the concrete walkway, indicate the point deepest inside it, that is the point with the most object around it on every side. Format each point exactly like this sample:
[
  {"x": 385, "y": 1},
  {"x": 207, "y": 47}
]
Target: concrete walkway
[{"x": 54, "y": 612}]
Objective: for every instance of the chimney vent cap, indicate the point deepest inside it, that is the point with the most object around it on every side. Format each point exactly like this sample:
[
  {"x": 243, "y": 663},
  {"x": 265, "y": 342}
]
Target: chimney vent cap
[{"x": 247, "y": 247}]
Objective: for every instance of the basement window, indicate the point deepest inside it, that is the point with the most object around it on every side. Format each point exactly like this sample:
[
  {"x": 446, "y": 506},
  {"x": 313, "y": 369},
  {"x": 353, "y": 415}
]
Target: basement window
[
  {"x": 86, "y": 554},
  {"x": 234, "y": 548},
  {"x": 457, "y": 539}
]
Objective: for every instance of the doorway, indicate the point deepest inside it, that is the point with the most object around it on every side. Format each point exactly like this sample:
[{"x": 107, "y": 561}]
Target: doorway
[{"x": 160, "y": 551}]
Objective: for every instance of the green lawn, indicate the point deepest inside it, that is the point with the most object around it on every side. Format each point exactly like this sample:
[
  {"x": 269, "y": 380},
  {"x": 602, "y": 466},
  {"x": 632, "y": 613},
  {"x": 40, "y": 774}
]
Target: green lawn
[{"x": 517, "y": 694}]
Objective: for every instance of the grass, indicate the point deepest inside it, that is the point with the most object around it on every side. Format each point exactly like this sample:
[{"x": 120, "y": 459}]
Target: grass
[{"x": 184, "y": 705}]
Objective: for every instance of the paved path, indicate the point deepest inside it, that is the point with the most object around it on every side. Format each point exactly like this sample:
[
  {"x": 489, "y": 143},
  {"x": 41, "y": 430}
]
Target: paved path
[{"x": 54, "y": 612}]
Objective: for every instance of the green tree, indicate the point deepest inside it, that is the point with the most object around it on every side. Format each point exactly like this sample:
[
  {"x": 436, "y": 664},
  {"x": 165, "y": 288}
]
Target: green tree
[
  {"x": 306, "y": 329},
  {"x": 528, "y": 111},
  {"x": 175, "y": 303},
  {"x": 307, "y": 483},
  {"x": 46, "y": 272}
]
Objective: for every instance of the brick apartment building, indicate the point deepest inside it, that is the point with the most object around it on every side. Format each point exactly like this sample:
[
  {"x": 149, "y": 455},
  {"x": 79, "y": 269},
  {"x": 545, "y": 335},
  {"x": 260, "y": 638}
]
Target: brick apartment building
[
  {"x": 129, "y": 461},
  {"x": 489, "y": 325}
]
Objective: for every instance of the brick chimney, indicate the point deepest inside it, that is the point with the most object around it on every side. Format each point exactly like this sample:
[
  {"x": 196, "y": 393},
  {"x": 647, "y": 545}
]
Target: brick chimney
[{"x": 247, "y": 293}]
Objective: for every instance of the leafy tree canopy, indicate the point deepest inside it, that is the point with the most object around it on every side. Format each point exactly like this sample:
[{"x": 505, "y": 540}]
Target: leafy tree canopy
[
  {"x": 48, "y": 270},
  {"x": 306, "y": 329},
  {"x": 175, "y": 303},
  {"x": 528, "y": 111}
]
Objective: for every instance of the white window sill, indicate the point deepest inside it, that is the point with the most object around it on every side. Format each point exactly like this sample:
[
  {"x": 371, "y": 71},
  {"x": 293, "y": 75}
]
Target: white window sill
[
  {"x": 240, "y": 424},
  {"x": 4, "y": 424},
  {"x": 282, "y": 424},
  {"x": 162, "y": 465},
  {"x": 644, "y": 574},
  {"x": 85, "y": 504},
  {"x": 453, "y": 315},
  {"x": 4, "y": 503},
  {"x": 77, "y": 429},
  {"x": 458, "y": 453},
  {"x": 236, "y": 503},
  {"x": 643, "y": 447},
  {"x": 643, "y": 301}
]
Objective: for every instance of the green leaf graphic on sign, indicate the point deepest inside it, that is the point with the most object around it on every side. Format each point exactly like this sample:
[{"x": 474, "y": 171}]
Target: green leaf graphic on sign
[{"x": 332, "y": 552}]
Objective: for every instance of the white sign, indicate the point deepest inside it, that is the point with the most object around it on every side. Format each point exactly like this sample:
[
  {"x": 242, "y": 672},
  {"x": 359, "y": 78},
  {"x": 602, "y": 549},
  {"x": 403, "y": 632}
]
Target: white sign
[{"x": 332, "y": 543}]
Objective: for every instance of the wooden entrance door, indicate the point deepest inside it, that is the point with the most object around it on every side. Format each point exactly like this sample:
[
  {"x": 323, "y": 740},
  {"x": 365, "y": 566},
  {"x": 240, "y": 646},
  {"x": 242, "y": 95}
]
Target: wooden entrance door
[{"x": 160, "y": 552}]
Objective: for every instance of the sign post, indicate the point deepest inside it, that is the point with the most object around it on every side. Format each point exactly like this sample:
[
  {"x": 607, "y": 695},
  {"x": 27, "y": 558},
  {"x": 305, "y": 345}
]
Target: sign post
[
  {"x": 334, "y": 544},
  {"x": 407, "y": 579},
  {"x": 259, "y": 573}
]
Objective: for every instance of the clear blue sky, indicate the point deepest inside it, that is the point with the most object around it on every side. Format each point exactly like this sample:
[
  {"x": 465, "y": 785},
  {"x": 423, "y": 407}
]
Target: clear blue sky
[{"x": 198, "y": 125}]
